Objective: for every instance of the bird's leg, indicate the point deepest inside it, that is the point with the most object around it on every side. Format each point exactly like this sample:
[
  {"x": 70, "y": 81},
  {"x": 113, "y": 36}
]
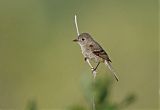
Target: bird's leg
[
  {"x": 96, "y": 66},
  {"x": 92, "y": 68}
]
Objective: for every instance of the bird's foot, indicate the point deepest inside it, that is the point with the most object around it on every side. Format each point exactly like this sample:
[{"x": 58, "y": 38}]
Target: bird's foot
[
  {"x": 85, "y": 59},
  {"x": 94, "y": 72}
]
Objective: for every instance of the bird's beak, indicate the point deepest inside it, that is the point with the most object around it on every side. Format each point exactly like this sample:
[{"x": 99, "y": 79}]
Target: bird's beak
[{"x": 75, "y": 40}]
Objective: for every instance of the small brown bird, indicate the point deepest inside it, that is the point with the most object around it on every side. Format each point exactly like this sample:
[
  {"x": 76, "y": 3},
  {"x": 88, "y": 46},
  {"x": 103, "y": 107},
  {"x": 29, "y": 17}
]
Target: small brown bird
[{"x": 93, "y": 51}]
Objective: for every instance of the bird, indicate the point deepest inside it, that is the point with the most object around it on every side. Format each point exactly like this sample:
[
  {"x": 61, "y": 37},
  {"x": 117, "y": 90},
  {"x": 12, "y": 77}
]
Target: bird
[{"x": 92, "y": 50}]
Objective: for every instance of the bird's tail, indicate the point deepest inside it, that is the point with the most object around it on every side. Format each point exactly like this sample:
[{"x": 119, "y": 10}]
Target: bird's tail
[{"x": 111, "y": 69}]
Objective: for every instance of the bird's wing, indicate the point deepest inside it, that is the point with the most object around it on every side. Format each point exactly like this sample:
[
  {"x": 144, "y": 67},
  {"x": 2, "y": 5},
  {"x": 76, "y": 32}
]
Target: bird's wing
[{"x": 98, "y": 51}]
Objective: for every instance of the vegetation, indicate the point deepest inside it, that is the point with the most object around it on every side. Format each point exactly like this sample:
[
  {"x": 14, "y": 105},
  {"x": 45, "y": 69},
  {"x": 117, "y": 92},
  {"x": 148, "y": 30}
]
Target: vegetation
[{"x": 101, "y": 91}]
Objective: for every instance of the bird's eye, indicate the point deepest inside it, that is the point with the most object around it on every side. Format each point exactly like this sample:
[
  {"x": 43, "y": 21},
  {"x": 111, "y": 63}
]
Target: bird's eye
[{"x": 83, "y": 39}]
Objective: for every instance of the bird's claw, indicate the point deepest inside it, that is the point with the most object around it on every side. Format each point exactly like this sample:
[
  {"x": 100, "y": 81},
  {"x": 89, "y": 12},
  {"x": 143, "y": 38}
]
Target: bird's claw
[
  {"x": 94, "y": 72},
  {"x": 93, "y": 69},
  {"x": 85, "y": 59}
]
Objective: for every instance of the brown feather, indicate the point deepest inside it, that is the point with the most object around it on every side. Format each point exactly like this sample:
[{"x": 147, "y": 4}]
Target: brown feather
[
  {"x": 98, "y": 51},
  {"x": 102, "y": 54}
]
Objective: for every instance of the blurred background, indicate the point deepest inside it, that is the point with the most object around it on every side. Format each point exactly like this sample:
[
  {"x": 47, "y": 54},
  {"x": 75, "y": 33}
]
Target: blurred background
[{"x": 39, "y": 63}]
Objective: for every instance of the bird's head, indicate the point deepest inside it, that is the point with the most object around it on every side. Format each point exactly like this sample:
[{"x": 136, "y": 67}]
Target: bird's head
[{"x": 83, "y": 39}]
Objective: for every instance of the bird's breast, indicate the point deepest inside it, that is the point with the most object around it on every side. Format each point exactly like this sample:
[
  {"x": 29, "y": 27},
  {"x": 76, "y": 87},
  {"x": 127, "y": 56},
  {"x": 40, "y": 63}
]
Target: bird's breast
[{"x": 87, "y": 52}]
